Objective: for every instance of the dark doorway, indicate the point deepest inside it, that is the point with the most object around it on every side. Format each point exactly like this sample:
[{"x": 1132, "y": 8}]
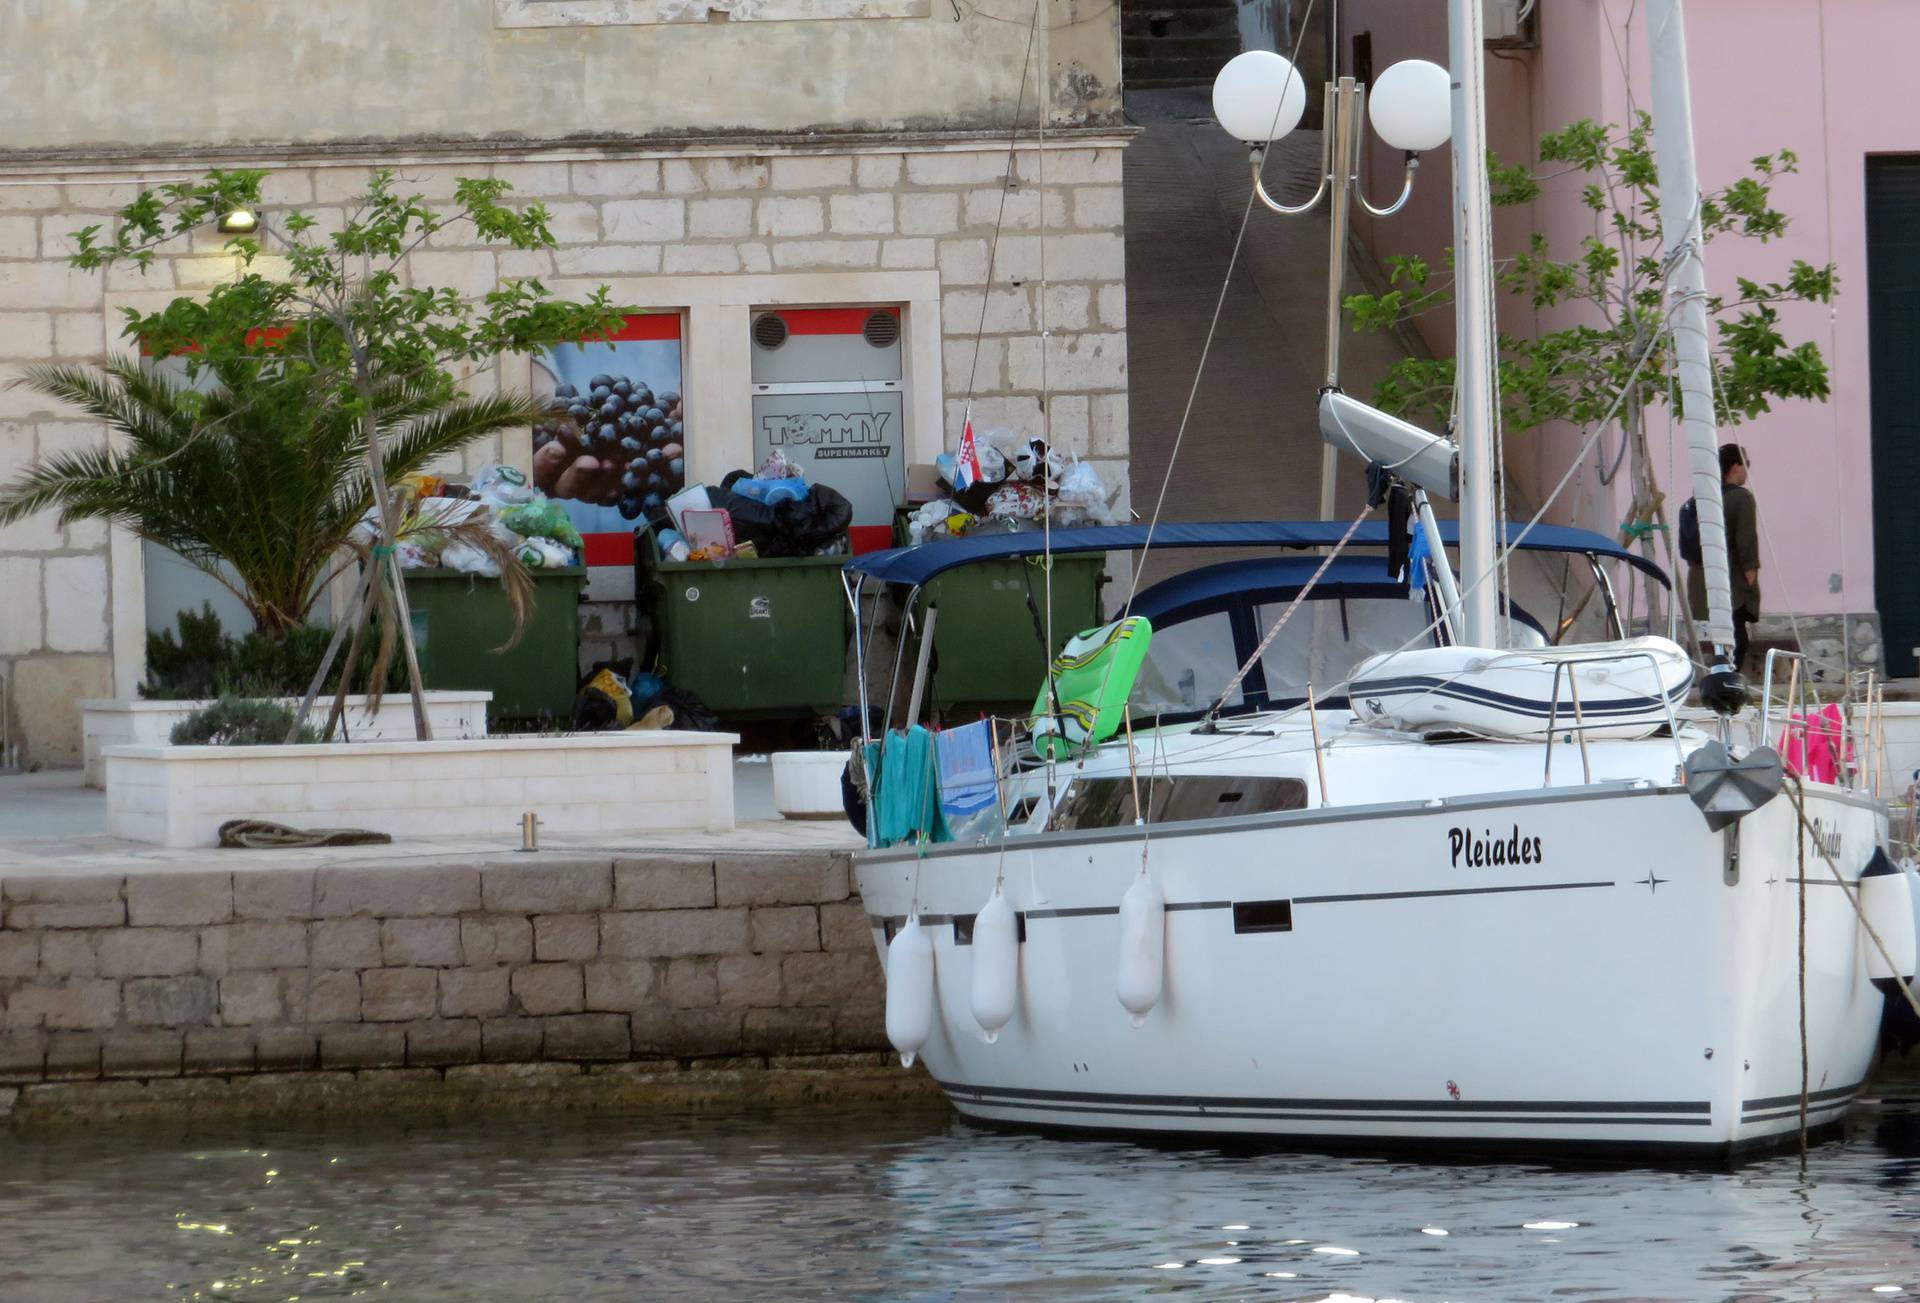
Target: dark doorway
[{"x": 1893, "y": 360}]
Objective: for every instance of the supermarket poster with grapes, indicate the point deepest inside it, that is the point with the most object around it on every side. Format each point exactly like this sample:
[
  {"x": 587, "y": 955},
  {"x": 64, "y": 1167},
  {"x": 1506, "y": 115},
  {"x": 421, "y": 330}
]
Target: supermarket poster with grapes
[{"x": 613, "y": 447}]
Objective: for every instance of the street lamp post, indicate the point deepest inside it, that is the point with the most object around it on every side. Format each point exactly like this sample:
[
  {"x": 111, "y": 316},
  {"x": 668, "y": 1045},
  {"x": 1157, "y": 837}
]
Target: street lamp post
[{"x": 1259, "y": 97}]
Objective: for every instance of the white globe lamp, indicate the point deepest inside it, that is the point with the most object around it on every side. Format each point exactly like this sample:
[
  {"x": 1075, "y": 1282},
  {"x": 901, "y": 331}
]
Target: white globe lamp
[
  {"x": 1411, "y": 105},
  {"x": 1259, "y": 96}
]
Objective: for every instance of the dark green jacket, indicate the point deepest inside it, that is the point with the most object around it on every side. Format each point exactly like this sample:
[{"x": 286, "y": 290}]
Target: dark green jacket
[{"x": 1743, "y": 554}]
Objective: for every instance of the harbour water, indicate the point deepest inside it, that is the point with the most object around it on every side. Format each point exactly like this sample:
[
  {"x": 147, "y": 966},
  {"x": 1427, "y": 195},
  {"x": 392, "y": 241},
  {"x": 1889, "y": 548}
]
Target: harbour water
[{"x": 922, "y": 1206}]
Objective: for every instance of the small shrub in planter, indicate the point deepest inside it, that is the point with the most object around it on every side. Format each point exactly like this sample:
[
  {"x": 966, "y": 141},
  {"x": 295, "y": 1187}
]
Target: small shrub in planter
[
  {"x": 239, "y": 722},
  {"x": 204, "y": 661}
]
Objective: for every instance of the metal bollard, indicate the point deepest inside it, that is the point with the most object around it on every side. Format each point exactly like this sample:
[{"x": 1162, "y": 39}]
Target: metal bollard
[{"x": 529, "y": 831}]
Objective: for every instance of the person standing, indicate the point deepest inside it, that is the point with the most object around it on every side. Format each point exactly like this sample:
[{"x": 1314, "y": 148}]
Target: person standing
[{"x": 1743, "y": 551}]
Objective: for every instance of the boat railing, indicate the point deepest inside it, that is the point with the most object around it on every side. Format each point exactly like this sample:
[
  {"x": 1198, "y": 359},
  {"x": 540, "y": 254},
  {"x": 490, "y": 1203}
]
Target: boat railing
[
  {"x": 1568, "y": 665},
  {"x": 1861, "y": 762}
]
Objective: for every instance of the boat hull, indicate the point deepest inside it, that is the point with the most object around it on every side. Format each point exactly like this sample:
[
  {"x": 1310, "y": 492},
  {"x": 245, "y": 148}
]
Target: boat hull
[{"x": 1568, "y": 968}]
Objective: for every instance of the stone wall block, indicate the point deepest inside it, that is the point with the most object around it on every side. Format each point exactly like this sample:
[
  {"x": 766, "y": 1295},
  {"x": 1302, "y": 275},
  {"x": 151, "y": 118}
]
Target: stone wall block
[
  {"x": 733, "y": 173},
  {"x": 692, "y": 983},
  {"x": 345, "y": 943},
  {"x": 644, "y": 221},
  {"x": 861, "y": 214},
  {"x": 427, "y": 890},
  {"x": 878, "y": 171},
  {"x": 947, "y": 169},
  {"x": 788, "y": 216},
  {"x": 750, "y": 981},
  {"x": 551, "y": 887},
  {"x": 844, "y": 926},
  {"x": 161, "y": 899},
  {"x": 787, "y": 1031},
  {"x": 397, "y": 994},
  {"x": 72, "y": 1004},
  {"x": 274, "y": 894},
  {"x": 806, "y": 878},
  {"x": 862, "y": 1028},
  {"x": 586, "y": 1036},
  {"x": 263, "y": 945},
  {"x": 143, "y": 1054},
  {"x": 439, "y": 1043},
  {"x": 665, "y": 882},
  {"x": 668, "y": 933},
  {"x": 212, "y": 1050},
  {"x": 812, "y": 172},
  {"x": 251, "y": 998},
  {"x": 619, "y": 985},
  {"x": 170, "y": 1001},
  {"x": 510, "y": 1040},
  {"x": 70, "y": 953},
  {"x": 73, "y": 1056},
  {"x": 800, "y": 255},
  {"x": 363, "y": 1045},
  {"x": 54, "y": 902},
  {"x": 148, "y": 952},
  {"x": 474, "y": 992},
  {"x": 318, "y": 996},
  {"x": 1099, "y": 207},
  {"x": 638, "y": 176},
  {"x": 421, "y": 942},
  {"x": 720, "y": 218},
  {"x": 19, "y": 954},
  {"x": 496, "y": 940},
  {"x": 548, "y": 988},
  {"x": 687, "y": 1033},
  {"x": 779, "y": 929},
  {"x": 566, "y": 936},
  {"x": 23, "y": 1055},
  {"x": 907, "y": 255},
  {"x": 829, "y": 978},
  {"x": 286, "y": 1048}
]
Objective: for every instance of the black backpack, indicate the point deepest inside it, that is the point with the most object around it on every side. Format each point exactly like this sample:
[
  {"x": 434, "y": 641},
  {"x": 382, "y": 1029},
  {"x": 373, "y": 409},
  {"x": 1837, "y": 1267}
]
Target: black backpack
[{"x": 1690, "y": 532}]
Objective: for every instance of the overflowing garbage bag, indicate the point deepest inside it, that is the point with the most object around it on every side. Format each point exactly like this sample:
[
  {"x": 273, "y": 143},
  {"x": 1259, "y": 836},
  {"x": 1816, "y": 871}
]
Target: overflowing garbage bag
[
  {"x": 470, "y": 530},
  {"x": 999, "y": 480},
  {"x": 612, "y": 697}
]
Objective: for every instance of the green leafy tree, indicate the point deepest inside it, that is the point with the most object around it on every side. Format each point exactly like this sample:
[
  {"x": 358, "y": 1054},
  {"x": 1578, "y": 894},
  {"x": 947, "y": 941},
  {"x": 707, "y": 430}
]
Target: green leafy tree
[
  {"x": 331, "y": 310},
  {"x": 1617, "y": 348}
]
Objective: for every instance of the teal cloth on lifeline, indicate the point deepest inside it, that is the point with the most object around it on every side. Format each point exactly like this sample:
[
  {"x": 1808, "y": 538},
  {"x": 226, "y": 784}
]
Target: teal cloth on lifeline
[{"x": 906, "y": 790}]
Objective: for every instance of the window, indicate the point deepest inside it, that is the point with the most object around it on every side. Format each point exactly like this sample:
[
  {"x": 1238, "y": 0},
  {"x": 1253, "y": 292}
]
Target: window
[
  {"x": 1327, "y": 639},
  {"x": 1108, "y": 802},
  {"x": 1188, "y": 665}
]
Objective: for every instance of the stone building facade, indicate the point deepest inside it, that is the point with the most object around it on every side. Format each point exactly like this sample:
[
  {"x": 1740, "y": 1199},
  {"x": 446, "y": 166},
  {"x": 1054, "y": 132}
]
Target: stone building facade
[{"x": 706, "y": 159}]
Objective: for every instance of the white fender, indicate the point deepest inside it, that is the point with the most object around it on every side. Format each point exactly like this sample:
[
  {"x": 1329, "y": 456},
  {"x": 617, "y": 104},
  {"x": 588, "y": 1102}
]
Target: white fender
[
  {"x": 996, "y": 965},
  {"x": 909, "y": 990},
  {"x": 1886, "y": 901},
  {"x": 1143, "y": 947}
]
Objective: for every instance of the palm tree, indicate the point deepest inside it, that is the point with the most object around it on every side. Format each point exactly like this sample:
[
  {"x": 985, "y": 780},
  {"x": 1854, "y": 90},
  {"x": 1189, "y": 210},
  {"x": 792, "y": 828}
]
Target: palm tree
[{"x": 257, "y": 475}]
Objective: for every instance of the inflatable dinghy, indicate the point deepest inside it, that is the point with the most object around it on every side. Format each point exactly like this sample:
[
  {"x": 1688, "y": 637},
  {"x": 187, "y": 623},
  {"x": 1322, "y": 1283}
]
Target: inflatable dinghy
[{"x": 1625, "y": 689}]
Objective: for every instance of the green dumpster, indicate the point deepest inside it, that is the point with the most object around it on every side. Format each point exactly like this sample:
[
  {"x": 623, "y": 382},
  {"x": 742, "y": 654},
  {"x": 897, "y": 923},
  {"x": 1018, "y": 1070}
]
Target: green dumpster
[
  {"x": 987, "y": 652},
  {"x": 458, "y": 620},
  {"x": 760, "y": 639}
]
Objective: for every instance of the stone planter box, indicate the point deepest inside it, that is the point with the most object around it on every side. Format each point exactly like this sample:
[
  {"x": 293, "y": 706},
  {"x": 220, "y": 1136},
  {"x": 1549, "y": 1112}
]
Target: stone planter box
[
  {"x": 806, "y": 784},
  {"x": 612, "y": 783},
  {"x": 121, "y": 721}
]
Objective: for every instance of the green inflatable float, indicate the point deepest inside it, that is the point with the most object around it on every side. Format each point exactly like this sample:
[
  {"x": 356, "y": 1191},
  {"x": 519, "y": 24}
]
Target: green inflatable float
[{"x": 1093, "y": 677}]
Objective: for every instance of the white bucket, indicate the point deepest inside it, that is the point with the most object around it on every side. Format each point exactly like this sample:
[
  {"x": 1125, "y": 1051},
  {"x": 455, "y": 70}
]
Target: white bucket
[{"x": 806, "y": 784}]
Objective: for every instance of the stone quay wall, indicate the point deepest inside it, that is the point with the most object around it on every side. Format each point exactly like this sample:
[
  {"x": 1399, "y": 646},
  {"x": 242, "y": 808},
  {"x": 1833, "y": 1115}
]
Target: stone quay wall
[{"x": 669, "y": 959}]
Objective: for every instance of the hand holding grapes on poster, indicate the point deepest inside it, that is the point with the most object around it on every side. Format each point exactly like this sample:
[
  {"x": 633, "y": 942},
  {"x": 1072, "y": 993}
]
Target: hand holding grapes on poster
[{"x": 613, "y": 447}]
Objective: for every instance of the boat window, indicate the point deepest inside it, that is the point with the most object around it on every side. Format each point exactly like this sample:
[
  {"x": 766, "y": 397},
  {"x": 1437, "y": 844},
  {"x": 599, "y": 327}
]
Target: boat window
[
  {"x": 1325, "y": 639},
  {"x": 1108, "y": 802},
  {"x": 1187, "y": 666}
]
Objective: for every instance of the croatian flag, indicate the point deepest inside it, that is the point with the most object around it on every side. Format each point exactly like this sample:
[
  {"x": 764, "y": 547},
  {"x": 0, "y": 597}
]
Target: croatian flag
[{"x": 966, "y": 463}]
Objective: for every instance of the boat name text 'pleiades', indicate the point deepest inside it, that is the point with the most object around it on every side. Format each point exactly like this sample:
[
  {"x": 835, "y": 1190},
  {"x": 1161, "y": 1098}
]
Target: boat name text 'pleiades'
[{"x": 1487, "y": 849}]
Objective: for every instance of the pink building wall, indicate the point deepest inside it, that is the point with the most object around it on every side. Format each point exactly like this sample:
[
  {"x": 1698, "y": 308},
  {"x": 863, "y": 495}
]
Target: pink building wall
[{"x": 1828, "y": 79}]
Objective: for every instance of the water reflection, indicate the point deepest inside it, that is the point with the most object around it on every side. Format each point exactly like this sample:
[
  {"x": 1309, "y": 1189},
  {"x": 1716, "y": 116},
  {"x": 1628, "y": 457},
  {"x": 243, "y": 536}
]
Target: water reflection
[{"x": 872, "y": 1207}]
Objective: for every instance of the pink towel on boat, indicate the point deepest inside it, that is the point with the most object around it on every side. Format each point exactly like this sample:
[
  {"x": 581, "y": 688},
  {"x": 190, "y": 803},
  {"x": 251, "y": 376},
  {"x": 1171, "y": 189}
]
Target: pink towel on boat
[{"x": 1815, "y": 747}]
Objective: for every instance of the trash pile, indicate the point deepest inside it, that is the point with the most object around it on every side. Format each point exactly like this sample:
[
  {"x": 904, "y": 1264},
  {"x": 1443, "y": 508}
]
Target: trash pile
[
  {"x": 531, "y": 525},
  {"x": 611, "y": 696},
  {"x": 770, "y": 512},
  {"x": 998, "y": 482}
]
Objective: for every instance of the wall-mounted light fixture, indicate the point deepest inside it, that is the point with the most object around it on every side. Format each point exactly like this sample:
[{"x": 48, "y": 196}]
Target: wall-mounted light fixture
[{"x": 241, "y": 221}]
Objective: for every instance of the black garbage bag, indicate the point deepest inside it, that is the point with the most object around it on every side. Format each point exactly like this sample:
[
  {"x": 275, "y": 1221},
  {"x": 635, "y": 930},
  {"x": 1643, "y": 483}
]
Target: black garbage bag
[
  {"x": 690, "y": 714},
  {"x": 787, "y": 529}
]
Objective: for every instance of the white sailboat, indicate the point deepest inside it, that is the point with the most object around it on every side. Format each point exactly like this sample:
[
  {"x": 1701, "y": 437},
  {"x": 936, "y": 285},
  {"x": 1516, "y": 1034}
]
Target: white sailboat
[{"x": 1469, "y": 895}]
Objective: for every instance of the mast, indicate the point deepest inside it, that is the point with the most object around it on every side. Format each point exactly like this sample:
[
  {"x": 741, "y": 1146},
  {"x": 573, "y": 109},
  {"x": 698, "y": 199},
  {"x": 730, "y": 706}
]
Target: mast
[
  {"x": 1474, "y": 349},
  {"x": 1687, "y": 295}
]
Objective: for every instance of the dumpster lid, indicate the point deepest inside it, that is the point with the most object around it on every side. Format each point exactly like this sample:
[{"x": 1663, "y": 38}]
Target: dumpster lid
[{"x": 917, "y": 565}]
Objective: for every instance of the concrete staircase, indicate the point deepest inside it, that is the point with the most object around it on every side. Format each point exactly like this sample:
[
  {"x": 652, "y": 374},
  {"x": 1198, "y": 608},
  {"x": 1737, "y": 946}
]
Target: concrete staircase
[{"x": 1167, "y": 43}]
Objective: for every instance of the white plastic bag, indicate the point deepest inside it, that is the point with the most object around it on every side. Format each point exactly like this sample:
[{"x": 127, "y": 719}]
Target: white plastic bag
[
  {"x": 503, "y": 486},
  {"x": 469, "y": 560}
]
